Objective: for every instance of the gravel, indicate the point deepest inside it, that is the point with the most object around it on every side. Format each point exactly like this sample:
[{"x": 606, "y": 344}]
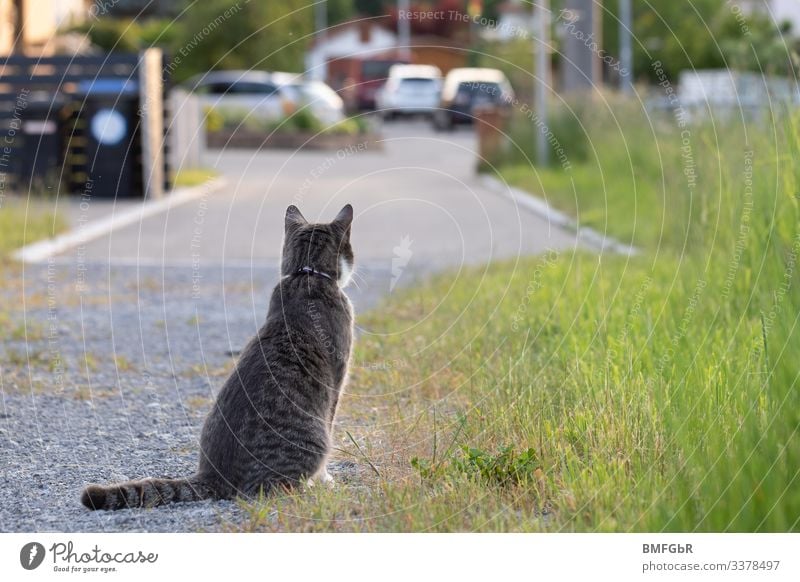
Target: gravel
[{"x": 112, "y": 381}]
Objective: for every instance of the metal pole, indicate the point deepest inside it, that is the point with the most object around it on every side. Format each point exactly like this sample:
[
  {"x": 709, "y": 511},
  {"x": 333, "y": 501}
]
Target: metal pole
[
  {"x": 625, "y": 49},
  {"x": 582, "y": 71},
  {"x": 404, "y": 29},
  {"x": 320, "y": 28},
  {"x": 543, "y": 82}
]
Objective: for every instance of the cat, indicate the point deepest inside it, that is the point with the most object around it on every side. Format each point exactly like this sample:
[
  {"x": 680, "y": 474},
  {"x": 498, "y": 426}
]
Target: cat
[{"x": 271, "y": 425}]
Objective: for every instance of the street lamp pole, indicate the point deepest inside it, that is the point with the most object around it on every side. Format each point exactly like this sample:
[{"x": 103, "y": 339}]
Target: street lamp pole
[
  {"x": 320, "y": 27},
  {"x": 404, "y": 29},
  {"x": 543, "y": 78},
  {"x": 625, "y": 50}
]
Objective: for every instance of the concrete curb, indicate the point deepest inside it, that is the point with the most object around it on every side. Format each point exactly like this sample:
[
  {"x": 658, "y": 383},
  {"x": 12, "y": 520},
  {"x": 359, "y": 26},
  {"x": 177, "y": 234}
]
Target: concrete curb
[
  {"x": 42, "y": 250},
  {"x": 532, "y": 203}
]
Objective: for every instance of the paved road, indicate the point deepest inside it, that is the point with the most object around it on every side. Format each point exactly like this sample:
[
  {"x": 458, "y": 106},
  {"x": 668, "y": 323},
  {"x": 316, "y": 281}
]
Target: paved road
[
  {"x": 420, "y": 185},
  {"x": 127, "y": 338}
]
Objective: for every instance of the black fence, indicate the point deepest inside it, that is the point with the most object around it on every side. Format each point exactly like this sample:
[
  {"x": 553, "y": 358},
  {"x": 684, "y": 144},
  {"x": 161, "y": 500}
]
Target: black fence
[{"x": 84, "y": 124}]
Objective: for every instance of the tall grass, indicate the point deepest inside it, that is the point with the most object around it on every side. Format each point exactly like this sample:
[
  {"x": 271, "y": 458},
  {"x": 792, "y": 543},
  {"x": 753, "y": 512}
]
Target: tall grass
[
  {"x": 623, "y": 170},
  {"x": 654, "y": 393},
  {"x": 698, "y": 366}
]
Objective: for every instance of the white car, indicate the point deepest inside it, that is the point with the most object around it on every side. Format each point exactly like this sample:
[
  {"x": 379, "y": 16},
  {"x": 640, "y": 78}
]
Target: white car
[
  {"x": 324, "y": 102},
  {"x": 258, "y": 93},
  {"x": 268, "y": 96},
  {"x": 410, "y": 89}
]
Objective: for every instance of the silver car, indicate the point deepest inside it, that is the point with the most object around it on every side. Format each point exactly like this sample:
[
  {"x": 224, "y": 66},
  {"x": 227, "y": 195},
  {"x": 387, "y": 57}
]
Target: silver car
[
  {"x": 258, "y": 93},
  {"x": 267, "y": 96}
]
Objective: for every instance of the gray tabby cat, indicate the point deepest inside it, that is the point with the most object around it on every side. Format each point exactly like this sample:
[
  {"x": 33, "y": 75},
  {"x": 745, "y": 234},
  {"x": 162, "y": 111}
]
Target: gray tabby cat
[{"x": 271, "y": 424}]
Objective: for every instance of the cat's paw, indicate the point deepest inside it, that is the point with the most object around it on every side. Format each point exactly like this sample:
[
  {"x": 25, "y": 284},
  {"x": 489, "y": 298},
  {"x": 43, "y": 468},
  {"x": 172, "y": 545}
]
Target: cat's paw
[
  {"x": 327, "y": 479},
  {"x": 323, "y": 477}
]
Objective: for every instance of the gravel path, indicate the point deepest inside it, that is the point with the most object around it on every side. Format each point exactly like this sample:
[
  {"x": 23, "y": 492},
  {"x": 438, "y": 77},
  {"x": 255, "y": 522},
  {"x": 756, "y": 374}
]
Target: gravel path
[
  {"x": 113, "y": 381},
  {"x": 159, "y": 345}
]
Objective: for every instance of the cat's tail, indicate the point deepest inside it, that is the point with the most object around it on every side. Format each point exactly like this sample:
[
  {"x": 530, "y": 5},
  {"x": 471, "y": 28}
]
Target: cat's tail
[{"x": 146, "y": 493}]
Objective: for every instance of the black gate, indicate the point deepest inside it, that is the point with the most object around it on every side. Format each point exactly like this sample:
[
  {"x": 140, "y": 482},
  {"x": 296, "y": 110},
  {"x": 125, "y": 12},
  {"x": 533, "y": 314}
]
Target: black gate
[{"x": 79, "y": 123}]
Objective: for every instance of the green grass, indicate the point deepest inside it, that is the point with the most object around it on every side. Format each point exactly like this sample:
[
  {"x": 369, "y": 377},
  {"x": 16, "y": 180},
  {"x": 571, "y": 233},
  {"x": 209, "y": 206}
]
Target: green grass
[
  {"x": 185, "y": 178},
  {"x": 620, "y": 171},
  {"x": 572, "y": 393},
  {"x": 22, "y": 224}
]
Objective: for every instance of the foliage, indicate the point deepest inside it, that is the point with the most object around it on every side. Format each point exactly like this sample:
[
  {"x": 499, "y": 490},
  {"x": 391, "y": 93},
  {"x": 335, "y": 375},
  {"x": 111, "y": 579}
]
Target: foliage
[
  {"x": 515, "y": 58},
  {"x": 370, "y": 7},
  {"x": 223, "y": 34},
  {"x": 698, "y": 34},
  {"x": 502, "y": 468},
  {"x": 340, "y": 11},
  {"x": 303, "y": 120},
  {"x": 111, "y": 34}
]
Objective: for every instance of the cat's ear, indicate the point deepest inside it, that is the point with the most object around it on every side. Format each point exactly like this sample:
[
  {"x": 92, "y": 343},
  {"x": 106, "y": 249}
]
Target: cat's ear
[
  {"x": 294, "y": 218},
  {"x": 345, "y": 218}
]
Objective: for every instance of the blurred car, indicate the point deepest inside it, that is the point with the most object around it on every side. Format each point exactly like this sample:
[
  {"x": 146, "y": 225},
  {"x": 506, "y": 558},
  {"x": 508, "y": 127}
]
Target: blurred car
[
  {"x": 266, "y": 95},
  {"x": 465, "y": 89},
  {"x": 410, "y": 89},
  {"x": 372, "y": 74},
  {"x": 324, "y": 102}
]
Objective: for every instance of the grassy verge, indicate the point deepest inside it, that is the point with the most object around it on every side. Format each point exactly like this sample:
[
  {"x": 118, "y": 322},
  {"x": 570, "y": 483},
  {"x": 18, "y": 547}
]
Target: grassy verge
[
  {"x": 615, "y": 167},
  {"x": 185, "y": 178},
  {"x": 22, "y": 223},
  {"x": 573, "y": 393}
]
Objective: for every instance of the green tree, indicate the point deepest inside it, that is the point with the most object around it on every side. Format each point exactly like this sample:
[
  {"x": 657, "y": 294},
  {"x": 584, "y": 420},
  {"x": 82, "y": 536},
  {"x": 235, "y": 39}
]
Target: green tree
[
  {"x": 756, "y": 44},
  {"x": 229, "y": 34},
  {"x": 370, "y": 7},
  {"x": 699, "y": 34},
  {"x": 340, "y": 11}
]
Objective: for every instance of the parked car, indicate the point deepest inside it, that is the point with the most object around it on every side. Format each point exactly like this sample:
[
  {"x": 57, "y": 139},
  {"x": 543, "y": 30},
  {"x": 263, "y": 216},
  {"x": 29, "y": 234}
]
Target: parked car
[
  {"x": 324, "y": 102},
  {"x": 410, "y": 89},
  {"x": 466, "y": 88},
  {"x": 266, "y": 95},
  {"x": 372, "y": 74}
]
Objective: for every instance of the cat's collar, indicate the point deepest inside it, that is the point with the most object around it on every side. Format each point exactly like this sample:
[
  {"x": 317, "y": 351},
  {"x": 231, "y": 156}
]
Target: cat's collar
[{"x": 312, "y": 271}]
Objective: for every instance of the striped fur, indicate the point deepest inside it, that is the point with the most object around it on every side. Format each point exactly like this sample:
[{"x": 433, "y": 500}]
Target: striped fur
[
  {"x": 271, "y": 425},
  {"x": 145, "y": 493}
]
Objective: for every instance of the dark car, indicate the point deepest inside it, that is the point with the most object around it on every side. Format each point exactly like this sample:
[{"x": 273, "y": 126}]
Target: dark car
[{"x": 467, "y": 88}]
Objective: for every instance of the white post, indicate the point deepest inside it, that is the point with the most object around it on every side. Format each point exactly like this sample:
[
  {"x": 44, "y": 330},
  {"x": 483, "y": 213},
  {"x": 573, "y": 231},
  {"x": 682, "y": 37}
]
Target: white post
[{"x": 151, "y": 122}]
